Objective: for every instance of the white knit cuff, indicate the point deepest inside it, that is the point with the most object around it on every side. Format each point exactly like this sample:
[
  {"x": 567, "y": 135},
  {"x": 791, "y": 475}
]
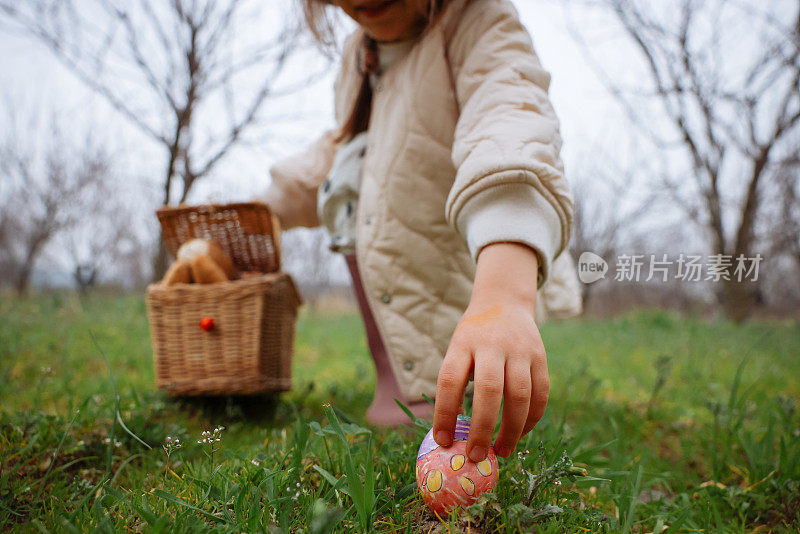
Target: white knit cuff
[{"x": 512, "y": 212}]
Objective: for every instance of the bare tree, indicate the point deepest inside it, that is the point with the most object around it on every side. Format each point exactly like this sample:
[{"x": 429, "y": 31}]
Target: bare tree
[
  {"x": 305, "y": 254},
  {"x": 610, "y": 211},
  {"x": 786, "y": 237},
  {"x": 781, "y": 230},
  {"x": 44, "y": 193},
  {"x": 194, "y": 76},
  {"x": 108, "y": 243},
  {"x": 726, "y": 77}
]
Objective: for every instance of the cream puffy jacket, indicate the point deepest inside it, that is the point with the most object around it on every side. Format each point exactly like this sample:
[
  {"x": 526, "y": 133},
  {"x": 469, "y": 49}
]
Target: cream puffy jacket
[{"x": 435, "y": 157}]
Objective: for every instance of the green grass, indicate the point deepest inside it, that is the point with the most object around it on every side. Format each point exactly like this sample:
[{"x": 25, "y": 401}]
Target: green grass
[{"x": 654, "y": 421}]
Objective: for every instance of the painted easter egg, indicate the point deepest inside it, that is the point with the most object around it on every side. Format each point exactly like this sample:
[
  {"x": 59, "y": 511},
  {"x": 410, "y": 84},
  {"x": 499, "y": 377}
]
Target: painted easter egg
[{"x": 446, "y": 478}]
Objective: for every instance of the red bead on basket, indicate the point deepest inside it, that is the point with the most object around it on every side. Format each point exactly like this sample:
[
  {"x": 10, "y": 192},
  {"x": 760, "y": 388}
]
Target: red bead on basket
[{"x": 207, "y": 324}]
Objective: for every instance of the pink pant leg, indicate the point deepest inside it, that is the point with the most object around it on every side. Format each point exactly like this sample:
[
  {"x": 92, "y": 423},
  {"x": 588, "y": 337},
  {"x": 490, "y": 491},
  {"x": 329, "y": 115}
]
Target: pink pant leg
[{"x": 383, "y": 410}]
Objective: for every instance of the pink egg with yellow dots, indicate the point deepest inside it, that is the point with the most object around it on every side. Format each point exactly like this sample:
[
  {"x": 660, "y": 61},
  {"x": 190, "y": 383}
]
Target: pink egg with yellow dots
[{"x": 447, "y": 478}]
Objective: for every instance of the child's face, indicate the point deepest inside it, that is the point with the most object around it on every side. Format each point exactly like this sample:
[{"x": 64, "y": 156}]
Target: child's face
[{"x": 384, "y": 20}]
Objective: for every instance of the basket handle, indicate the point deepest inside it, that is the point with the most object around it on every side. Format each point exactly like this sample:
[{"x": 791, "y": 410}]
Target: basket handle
[{"x": 276, "y": 233}]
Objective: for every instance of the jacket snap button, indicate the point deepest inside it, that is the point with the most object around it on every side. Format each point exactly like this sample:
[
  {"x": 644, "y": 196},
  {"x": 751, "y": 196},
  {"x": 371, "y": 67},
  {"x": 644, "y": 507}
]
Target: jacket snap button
[
  {"x": 408, "y": 365},
  {"x": 386, "y": 298}
]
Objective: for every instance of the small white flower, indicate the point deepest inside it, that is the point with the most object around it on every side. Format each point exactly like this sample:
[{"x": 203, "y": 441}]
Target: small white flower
[{"x": 254, "y": 462}]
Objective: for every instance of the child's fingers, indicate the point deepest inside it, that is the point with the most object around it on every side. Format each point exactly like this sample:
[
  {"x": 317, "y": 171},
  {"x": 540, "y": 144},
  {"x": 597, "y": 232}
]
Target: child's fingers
[
  {"x": 540, "y": 394},
  {"x": 450, "y": 384},
  {"x": 489, "y": 378},
  {"x": 517, "y": 399}
]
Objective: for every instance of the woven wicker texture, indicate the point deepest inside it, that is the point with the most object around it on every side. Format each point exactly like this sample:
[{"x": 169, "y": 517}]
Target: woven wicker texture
[
  {"x": 248, "y": 351},
  {"x": 245, "y": 231}
]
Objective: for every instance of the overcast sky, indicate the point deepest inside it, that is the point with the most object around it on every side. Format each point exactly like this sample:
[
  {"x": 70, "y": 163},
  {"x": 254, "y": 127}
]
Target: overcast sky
[
  {"x": 591, "y": 125},
  {"x": 33, "y": 78},
  {"x": 600, "y": 144}
]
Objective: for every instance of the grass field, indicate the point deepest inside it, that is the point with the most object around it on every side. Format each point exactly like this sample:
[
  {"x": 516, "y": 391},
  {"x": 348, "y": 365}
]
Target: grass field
[{"x": 655, "y": 423}]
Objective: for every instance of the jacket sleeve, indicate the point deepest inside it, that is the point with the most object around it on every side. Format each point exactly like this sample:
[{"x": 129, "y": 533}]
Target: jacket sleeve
[
  {"x": 509, "y": 184},
  {"x": 292, "y": 195}
]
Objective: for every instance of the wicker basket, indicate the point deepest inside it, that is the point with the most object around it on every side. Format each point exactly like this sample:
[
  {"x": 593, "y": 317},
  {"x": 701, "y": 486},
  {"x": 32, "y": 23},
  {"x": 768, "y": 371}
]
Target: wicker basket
[{"x": 249, "y": 349}]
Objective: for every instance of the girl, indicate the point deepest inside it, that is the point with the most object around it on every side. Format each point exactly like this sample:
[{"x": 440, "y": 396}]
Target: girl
[{"x": 449, "y": 145}]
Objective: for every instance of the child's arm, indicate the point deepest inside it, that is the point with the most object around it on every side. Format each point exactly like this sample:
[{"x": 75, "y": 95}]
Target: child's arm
[
  {"x": 513, "y": 206},
  {"x": 292, "y": 195},
  {"x": 509, "y": 183},
  {"x": 497, "y": 339}
]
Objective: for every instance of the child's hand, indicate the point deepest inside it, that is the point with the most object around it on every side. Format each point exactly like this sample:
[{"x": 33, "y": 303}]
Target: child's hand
[{"x": 496, "y": 339}]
